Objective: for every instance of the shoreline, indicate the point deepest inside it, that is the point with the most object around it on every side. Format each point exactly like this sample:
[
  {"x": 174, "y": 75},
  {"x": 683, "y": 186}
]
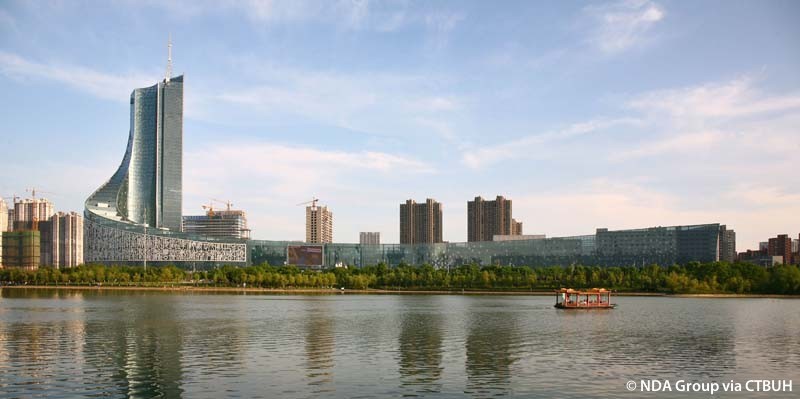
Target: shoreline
[{"x": 331, "y": 291}]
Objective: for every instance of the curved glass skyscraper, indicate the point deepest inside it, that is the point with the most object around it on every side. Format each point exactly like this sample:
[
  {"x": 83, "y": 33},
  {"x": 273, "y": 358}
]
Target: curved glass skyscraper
[
  {"x": 137, "y": 213},
  {"x": 147, "y": 186}
]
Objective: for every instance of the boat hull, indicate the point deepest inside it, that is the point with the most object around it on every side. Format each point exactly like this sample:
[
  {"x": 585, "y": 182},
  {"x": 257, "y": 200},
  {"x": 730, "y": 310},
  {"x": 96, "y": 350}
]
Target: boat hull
[{"x": 561, "y": 306}]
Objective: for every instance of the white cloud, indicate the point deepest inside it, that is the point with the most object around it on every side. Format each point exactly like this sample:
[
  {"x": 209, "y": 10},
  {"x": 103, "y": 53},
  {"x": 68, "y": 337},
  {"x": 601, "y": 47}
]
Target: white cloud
[
  {"x": 354, "y": 15},
  {"x": 401, "y": 104},
  {"x": 734, "y": 118},
  {"x": 737, "y": 98},
  {"x": 100, "y": 84},
  {"x": 532, "y": 145},
  {"x": 290, "y": 168},
  {"x": 622, "y": 25},
  {"x": 689, "y": 142}
]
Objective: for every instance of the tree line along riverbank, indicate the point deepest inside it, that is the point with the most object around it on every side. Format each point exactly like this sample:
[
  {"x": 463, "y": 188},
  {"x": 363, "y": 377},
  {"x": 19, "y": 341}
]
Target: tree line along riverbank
[{"x": 692, "y": 278}]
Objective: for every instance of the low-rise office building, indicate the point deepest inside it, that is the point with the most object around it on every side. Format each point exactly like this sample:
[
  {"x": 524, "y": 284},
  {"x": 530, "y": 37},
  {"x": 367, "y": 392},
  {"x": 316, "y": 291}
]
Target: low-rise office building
[{"x": 657, "y": 245}]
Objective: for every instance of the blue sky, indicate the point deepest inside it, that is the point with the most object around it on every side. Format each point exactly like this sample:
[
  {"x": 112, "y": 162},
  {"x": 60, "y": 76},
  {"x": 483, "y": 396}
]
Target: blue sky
[{"x": 587, "y": 114}]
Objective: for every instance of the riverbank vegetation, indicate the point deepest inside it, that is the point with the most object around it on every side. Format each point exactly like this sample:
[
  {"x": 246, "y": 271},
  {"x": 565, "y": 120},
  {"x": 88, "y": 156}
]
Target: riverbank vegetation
[{"x": 692, "y": 278}]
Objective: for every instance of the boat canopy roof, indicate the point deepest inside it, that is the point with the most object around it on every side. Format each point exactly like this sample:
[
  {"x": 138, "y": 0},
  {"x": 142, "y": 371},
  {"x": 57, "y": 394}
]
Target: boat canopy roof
[{"x": 583, "y": 291}]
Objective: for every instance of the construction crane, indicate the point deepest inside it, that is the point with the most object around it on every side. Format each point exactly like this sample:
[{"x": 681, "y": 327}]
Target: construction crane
[
  {"x": 33, "y": 192},
  {"x": 209, "y": 208},
  {"x": 35, "y": 221},
  {"x": 313, "y": 202},
  {"x": 228, "y": 203}
]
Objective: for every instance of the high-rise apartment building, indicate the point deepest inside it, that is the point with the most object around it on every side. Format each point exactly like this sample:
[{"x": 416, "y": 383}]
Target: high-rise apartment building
[
  {"x": 727, "y": 244},
  {"x": 28, "y": 211},
  {"x": 485, "y": 219},
  {"x": 34, "y": 214},
  {"x": 369, "y": 238},
  {"x": 229, "y": 223},
  {"x": 3, "y": 216},
  {"x": 780, "y": 246},
  {"x": 319, "y": 224},
  {"x": 67, "y": 240},
  {"x": 516, "y": 227},
  {"x": 421, "y": 223},
  {"x": 10, "y": 221}
]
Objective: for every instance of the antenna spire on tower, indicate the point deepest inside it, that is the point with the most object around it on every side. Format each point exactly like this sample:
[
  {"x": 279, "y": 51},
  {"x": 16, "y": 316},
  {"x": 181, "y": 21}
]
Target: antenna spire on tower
[{"x": 169, "y": 59}]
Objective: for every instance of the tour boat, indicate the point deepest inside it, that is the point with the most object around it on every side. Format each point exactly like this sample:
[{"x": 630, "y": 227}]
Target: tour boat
[{"x": 595, "y": 298}]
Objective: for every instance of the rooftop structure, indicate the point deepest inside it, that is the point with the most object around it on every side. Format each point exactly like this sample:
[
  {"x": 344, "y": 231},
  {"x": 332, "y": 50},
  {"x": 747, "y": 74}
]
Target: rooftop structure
[{"x": 517, "y": 237}]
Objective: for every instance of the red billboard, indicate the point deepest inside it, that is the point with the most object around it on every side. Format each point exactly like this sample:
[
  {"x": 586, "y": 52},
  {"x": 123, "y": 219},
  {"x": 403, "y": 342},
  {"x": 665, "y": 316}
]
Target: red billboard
[{"x": 304, "y": 255}]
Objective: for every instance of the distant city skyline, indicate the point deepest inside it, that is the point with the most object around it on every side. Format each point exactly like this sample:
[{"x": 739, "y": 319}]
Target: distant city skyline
[{"x": 673, "y": 113}]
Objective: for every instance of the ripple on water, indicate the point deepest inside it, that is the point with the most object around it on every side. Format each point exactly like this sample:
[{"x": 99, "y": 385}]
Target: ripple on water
[{"x": 93, "y": 344}]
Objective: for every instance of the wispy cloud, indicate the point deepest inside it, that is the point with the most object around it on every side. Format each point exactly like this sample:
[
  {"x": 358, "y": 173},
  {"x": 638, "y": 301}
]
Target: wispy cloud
[
  {"x": 622, "y": 25},
  {"x": 733, "y": 99},
  {"x": 684, "y": 143},
  {"x": 734, "y": 116},
  {"x": 530, "y": 146},
  {"x": 369, "y": 102},
  {"x": 288, "y": 169},
  {"x": 103, "y": 85},
  {"x": 350, "y": 15}
]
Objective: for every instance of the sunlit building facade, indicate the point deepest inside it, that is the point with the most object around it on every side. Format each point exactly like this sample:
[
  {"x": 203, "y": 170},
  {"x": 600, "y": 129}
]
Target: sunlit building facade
[
  {"x": 421, "y": 223},
  {"x": 66, "y": 240},
  {"x": 136, "y": 215},
  {"x": 485, "y": 219},
  {"x": 319, "y": 224}
]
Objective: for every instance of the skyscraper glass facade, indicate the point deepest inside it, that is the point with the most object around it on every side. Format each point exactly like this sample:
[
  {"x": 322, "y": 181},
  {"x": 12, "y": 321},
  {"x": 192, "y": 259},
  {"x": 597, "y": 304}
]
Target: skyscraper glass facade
[
  {"x": 656, "y": 245},
  {"x": 137, "y": 214}
]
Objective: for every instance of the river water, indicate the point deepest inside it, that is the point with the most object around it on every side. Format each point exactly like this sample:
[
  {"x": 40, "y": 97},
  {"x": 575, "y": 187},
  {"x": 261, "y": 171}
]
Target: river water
[{"x": 158, "y": 344}]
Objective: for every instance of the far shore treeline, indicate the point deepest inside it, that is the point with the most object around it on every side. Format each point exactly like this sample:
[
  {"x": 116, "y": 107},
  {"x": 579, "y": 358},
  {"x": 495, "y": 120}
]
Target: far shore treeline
[{"x": 692, "y": 278}]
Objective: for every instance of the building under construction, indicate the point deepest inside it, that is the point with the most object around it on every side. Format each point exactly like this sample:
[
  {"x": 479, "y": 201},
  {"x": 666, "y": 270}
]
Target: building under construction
[
  {"x": 21, "y": 249},
  {"x": 228, "y": 223}
]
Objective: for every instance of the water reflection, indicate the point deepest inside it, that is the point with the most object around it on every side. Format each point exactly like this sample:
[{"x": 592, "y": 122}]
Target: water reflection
[
  {"x": 319, "y": 345},
  {"x": 491, "y": 345},
  {"x": 138, "y": 351},
  {"x": 420, "y": 345},
  {"x": 144, "y": 344}
]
